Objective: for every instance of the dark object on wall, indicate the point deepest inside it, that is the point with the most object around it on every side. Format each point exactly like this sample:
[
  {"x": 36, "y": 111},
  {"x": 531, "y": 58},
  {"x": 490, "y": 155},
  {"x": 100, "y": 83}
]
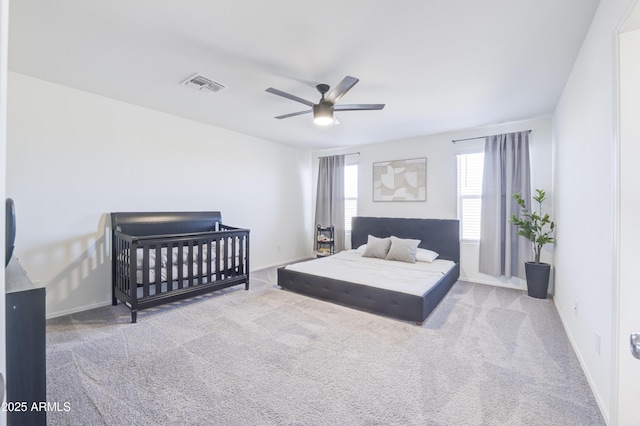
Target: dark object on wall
[
  {"x": 160, "y": 257},
  {"x": 537, "y": 279},
  {"x": 10, "y": 230},
  {"x": 26, "y": 348}
]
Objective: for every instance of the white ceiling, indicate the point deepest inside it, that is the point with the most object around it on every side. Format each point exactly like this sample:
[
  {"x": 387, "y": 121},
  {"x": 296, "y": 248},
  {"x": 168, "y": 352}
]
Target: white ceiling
[
  {"x": 632, "y": 22},
  {"x": 438, "y": 65}
]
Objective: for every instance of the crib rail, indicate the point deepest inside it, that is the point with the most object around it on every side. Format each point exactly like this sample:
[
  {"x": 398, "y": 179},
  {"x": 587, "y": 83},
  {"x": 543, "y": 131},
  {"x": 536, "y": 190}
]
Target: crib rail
[{"x": 152, "y": 269}]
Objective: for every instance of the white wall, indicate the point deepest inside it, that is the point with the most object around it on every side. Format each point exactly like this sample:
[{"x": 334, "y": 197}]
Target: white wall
[
  {"x": 73, "y": 157},
  {"x": 629, "y": 295},
  {"x": 584, "y": 201},
  {"x": 442, "y": 180}
]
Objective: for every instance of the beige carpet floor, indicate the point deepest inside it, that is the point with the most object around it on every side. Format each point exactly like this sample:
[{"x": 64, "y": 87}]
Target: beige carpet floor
[{"x": 486, "y": 356}]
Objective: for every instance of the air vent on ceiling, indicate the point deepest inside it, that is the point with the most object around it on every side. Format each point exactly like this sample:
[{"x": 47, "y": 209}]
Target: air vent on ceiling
[{"x": 203, "y": 84}]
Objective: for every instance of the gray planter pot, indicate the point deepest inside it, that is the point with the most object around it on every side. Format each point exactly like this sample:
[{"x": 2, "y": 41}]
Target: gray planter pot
[{"x": 537, "y": 279}]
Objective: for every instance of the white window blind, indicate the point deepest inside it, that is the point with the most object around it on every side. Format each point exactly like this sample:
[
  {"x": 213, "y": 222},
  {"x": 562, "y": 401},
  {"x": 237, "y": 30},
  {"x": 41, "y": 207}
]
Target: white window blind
[
  {"x": 470, "y": 170},
  {"x": 350, "y": 194}
]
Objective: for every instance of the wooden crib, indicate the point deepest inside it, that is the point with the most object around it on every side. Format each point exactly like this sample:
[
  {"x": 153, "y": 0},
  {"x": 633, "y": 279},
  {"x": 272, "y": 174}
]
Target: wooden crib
[{"x": 161, "y": 257}]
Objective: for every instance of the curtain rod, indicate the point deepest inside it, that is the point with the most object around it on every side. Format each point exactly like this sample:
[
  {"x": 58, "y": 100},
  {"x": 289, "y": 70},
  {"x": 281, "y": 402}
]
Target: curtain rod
[
  {"x": 351, "y": 153},
  {"x": 479, "y": 137}
]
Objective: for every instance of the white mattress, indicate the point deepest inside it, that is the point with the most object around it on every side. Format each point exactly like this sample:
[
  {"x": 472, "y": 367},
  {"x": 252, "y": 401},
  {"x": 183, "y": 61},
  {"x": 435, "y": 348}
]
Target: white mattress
[{"x": 410, "y": 278}]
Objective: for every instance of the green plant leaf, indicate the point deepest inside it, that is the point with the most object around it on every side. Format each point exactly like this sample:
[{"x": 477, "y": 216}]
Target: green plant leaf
[{"x": 534, "y": 225}]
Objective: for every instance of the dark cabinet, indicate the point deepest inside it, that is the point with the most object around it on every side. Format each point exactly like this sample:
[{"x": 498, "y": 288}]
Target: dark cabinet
[{"x": 26, "y": 350}]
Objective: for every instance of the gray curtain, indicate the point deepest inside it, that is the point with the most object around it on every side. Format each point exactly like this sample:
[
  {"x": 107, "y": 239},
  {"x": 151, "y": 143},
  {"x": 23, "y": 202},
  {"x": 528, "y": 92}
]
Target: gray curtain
[
  {"x": 330, "y": 197},
  {"x": 506, "y": 172}
]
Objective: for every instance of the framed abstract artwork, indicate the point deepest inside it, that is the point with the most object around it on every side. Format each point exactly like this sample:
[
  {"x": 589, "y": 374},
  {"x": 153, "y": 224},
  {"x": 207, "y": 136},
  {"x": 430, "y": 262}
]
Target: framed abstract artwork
[{"x": 400, "y": 180}]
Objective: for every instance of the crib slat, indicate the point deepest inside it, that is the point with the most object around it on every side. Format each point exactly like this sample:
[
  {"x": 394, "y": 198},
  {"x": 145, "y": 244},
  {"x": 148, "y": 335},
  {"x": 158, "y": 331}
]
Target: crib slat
[
  {"x": 209, "y": 265},
  {"x": 145, "y": 271},
  {"x": 227, "y": 246},
  {"x": 168, "y": 266},
  {"x": 219, "y": 269},
  {"x": 158, "y": 269},
  {"x": 190, "y": 265},
  {"x": 180, "y": 264},
  {"x": 198, "y": 266},
  {"x": 234, "y": 272},
  {"x": 241, "y": 255}
]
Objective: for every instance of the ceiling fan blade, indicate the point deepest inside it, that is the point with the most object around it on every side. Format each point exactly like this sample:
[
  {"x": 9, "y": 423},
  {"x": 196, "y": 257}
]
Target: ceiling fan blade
[
  {"x": 343, "y": 87},
  {"x": 289, "y": 96},
  {"x": 293, "y": 114},
  {"x": 358, "y": 107}
]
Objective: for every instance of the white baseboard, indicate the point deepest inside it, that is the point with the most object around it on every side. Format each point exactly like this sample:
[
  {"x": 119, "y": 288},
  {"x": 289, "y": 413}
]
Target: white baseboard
[
  {"x": 603, "y": 407},
  {"x": 78, "y": 309},
  {"x": 107, "y": 302},
  {"x": 282, "y": 263},
  {"x": 493, "y": 283}
]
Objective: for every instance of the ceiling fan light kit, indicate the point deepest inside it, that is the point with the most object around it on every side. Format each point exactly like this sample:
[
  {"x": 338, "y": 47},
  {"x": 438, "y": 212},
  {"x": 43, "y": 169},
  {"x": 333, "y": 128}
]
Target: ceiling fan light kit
[
  {"x": 323, "y": 110},
  {"x": 323, "y": 114}
]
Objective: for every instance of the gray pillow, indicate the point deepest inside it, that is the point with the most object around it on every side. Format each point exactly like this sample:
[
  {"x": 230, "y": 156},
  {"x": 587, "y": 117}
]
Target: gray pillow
[
  {"x": 377, "y": 247},
  {"x": 403, "y": 250}
]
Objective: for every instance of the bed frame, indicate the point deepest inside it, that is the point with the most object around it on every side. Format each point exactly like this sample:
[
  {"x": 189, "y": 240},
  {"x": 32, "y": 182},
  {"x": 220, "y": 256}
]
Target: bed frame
[
  {"x": 440, "y": 235},
  {"x": 194, "y": 238}
]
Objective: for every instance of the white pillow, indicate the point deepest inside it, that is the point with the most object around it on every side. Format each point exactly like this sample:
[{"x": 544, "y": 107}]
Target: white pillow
[
  {"x": 403, "y": 250},
  {"x": 361, "y": 249},
  {"x": 424, "y": 255},
  {"x": 377, "y": 247}
]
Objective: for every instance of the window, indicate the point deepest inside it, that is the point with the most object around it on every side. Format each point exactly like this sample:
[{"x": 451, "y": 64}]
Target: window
[
  {"x": 350, "y": 194},
  {"x": 470, "y": 169}
]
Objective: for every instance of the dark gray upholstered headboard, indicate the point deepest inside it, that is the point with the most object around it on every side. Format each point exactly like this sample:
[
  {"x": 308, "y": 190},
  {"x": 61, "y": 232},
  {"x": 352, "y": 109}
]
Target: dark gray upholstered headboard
[
  {"x": 439, "y": 235},
  {"x": 165, "y": 223}
]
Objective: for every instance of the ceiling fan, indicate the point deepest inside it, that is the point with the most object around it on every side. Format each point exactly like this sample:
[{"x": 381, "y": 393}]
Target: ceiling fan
[{"x": 323, "y": 110}]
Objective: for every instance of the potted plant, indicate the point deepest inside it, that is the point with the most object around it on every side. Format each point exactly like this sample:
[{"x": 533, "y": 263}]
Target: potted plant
[{"x": 538, "y": 228}]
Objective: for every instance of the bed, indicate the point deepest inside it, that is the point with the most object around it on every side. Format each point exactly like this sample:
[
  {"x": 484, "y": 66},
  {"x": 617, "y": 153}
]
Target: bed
[
  {"x": 435, "y": 235},
  {"x": 161, "y": 257}
]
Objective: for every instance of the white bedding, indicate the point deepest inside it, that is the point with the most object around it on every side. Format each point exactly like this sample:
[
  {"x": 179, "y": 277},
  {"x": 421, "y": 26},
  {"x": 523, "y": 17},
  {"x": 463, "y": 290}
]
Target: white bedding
[{"x": 410, "y": 278}]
